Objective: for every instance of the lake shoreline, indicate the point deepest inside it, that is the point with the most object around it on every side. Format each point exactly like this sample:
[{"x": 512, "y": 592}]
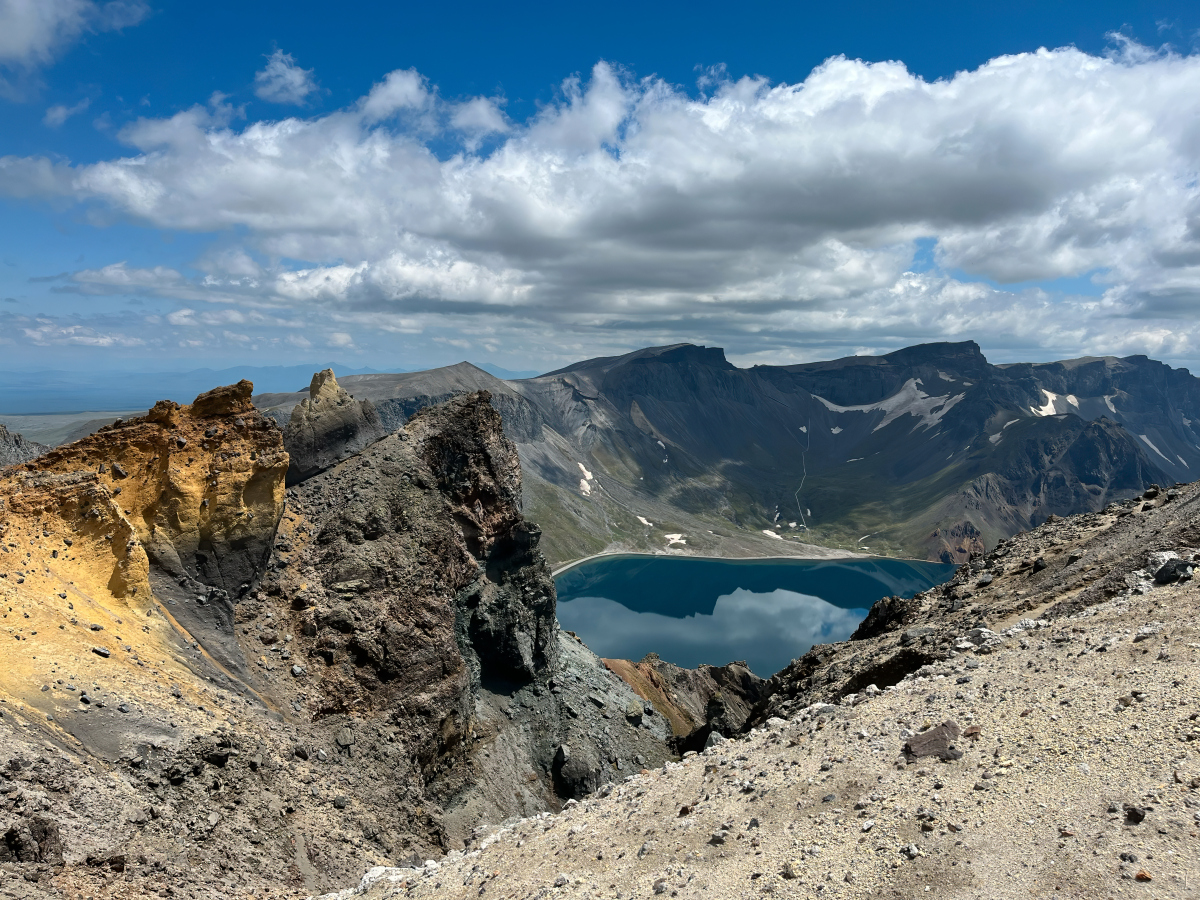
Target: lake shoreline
[{"x": 843, "y": 554}]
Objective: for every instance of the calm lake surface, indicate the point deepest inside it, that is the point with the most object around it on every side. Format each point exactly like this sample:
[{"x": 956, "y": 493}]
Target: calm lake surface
[{"x": 764, "y": 611}]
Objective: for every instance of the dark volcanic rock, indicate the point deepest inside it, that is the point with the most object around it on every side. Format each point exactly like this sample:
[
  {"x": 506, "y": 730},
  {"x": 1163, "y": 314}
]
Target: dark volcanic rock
[
  {"x": 886, "y": 614},
  {"x": 32, "y": 840},
  {"x": 421, "y": 598},
  {"x": 327, "y": 427}
]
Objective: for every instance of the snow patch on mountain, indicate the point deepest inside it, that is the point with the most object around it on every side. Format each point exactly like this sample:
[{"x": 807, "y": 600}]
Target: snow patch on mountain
[
  {"x": 585, "y": 486},
  {"x": 909, "y": 400},
  {"x": 995, "y": 438},
  {"x": 1048, "y": 408},
  {"x": 1150, "y": 444}
]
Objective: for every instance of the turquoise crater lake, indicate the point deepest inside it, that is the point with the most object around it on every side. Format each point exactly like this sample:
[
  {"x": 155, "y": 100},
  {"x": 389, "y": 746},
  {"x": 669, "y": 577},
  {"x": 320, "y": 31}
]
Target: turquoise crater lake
[{"x": 693, "y": 610}]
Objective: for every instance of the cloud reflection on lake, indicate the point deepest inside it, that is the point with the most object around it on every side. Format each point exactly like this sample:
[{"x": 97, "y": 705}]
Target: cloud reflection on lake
[{"x": 767, "y": 630}]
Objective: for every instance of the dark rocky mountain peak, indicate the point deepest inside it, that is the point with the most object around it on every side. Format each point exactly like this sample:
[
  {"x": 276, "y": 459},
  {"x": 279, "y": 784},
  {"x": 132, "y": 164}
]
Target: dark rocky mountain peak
[{"x": 669, "y": 354}]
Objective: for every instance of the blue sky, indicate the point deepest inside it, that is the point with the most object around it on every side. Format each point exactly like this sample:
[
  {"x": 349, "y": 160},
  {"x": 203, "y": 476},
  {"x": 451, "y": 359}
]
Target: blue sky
[{"x": 404, "y": 185}]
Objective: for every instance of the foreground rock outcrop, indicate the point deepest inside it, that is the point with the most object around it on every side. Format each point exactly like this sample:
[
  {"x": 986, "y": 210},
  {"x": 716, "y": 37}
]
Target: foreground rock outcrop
[
  {"x": 1031, "y": 729},
  {"x": 327, "y": 427},
  {"x": 211, "y": 684},
  {"x": 415, "y": 588}
]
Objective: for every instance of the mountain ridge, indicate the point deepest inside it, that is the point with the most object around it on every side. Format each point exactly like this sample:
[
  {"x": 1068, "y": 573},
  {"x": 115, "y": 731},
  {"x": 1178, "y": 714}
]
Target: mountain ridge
[{"x": 929, "y": 451}]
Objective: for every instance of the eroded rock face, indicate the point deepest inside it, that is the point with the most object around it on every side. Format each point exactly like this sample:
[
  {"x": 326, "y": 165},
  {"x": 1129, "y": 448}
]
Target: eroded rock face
[
  {"x": 15, "y": 449},
  {"x": 328, "y": 427},
  {"x": 201, "y": 486},
  {"x": 506, "y": 620},
  {"x": 75, "y": 506},
  {"x": 418, "y": 593}
]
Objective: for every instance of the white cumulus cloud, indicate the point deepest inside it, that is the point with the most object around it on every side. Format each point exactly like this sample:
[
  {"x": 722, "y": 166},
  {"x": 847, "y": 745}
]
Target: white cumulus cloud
[
  {"x": 400, "y": 90},
  {"x": 477, "y": 118},
  {"x": 283, "y": 81},
  {"x": 34, "y": 32},
  {"x": 863, "y": 208},
  {"x": 59, "y": 113}
]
